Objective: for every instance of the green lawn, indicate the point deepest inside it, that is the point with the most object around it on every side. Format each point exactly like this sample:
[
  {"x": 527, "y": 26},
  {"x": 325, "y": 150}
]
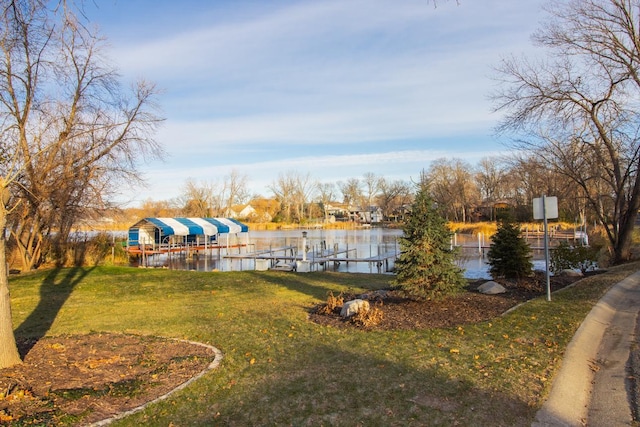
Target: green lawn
[{"x": 281, "y": 369}]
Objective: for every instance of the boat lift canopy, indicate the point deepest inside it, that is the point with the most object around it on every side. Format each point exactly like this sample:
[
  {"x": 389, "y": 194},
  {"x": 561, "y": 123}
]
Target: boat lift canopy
[{"x": 156, "y": 230}]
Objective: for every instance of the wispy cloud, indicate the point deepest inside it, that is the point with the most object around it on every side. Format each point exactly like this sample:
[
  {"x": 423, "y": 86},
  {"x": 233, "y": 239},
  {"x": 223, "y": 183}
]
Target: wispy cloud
[{"x": 259, "y": 84}]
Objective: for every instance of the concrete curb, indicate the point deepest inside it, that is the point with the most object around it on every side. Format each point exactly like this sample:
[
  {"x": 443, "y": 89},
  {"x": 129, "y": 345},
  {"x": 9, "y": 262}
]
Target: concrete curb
[
  {"x": 570, "y": 397},
  {"x": 214, "y": 364}
]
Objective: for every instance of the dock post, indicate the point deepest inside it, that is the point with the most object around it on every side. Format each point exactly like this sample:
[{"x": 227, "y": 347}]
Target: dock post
[
  {"x": 347, "y": 257},
  {"x": 304, "y": 266}
]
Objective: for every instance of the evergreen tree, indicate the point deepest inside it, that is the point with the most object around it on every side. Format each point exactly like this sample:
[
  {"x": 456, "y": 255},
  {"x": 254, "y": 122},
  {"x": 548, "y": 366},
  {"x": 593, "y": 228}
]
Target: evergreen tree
[
  {"x": 509, "y": 255},
  {"x": 426, "y": 267}
]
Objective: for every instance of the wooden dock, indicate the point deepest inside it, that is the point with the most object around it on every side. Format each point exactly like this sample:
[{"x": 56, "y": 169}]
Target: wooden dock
[
  {"x": 286, "y": 258},
  {"x": 171, "y": 249}
]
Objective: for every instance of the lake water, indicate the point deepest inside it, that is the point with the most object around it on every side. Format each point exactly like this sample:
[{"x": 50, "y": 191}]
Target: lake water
[{"x": 357, "y": 244}]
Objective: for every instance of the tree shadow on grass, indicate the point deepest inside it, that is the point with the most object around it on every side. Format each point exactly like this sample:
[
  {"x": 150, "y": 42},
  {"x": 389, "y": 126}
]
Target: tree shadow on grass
[
  {"x": 317, "y": 285},
  {"x": 55, "y": 290},
  {"x": 327, "y": 384}
]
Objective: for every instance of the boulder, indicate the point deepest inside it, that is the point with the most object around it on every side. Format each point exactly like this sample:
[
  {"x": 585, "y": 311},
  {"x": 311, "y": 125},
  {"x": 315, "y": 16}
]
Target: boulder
[
  {"x": 374, "y": 295},
  {"x": 352, "y": 307},
  {"x": 570, "y": 273},
  {"x": 491, "y": 288}
]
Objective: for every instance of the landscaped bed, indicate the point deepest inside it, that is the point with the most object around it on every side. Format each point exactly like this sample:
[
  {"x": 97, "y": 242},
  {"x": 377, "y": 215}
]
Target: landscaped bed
[{"x": 88, "y": 378}]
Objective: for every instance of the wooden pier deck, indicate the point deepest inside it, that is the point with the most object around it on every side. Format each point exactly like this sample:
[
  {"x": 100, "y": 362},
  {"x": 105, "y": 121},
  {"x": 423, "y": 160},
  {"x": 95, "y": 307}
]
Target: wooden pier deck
[
  {"x": 322, "y": 258},
  {"x": 166, "y": 249}
]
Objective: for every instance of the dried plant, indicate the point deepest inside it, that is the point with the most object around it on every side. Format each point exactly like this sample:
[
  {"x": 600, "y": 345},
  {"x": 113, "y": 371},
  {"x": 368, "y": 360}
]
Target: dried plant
[
  {"x": 370, "y": 317},
  {"x": 332, "y": 303}
]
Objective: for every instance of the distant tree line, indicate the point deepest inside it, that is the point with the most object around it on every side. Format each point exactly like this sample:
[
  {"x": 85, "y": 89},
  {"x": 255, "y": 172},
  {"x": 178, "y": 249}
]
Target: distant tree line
[{"x": 463, "y": 192}]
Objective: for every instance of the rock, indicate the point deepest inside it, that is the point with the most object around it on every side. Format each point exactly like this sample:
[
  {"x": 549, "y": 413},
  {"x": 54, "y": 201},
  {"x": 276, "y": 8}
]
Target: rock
[
  {"x": 570, "y": 273},
  {"x": 352, "y": 307},
  {"x": 283, "y": 266},
  {"x": 491, "y": 288},
  {"x": 374, "y": 295}
]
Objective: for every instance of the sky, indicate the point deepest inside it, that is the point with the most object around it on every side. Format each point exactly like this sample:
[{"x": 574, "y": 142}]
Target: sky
[{"x": 332, "y": 88}]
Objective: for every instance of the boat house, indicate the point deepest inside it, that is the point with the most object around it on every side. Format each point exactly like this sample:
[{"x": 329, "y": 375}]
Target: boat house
[{"x": 165, "y": 235}]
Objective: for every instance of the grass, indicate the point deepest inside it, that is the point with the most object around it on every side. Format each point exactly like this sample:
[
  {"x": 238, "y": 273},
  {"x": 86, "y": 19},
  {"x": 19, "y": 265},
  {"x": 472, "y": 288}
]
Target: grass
[{"x": 281, "y": 369}]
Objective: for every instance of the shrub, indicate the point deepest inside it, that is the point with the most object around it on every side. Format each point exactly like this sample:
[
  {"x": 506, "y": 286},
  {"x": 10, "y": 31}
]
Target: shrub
[
  {"x": 509, "y": 255},
  {"x": 565, "y": 256},
  {"x": 426, "y": 267}
]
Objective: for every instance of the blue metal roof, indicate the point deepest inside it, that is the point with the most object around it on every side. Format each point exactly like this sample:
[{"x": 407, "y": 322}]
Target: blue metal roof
[
  {"x": 164, "y": 228},
  {"x": 192, "y": 226},
  {"x": 220, "y": 226}
]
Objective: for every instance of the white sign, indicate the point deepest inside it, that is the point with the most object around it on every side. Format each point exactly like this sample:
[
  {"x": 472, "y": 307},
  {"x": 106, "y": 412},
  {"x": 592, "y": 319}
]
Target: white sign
[{"x": 550, "y": 205}]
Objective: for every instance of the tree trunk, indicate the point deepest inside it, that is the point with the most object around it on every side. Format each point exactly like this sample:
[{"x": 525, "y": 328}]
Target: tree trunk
[
  {"x": 622, "y": 246},
  {"x": 9, "y": 355}
]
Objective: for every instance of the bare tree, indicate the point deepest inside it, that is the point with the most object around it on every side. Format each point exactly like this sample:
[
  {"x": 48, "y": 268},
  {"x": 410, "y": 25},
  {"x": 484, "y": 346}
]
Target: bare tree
[
  {"x": 197, "y": 199},
  {"x": 163, "y": 208},
  {"x": 529, "y": 177},
  {"x": 490, "y": 177},
  {"x": 284, "y": 189},
  {"x": 351, "y": 191},
  {"x": 577, "y": 110},
  {"x": 326, "y": 193},
  {"x": 74, "y": 132},
  {"x": 68, "y": 133},
  {"x": 303, "y": 193},
  {"x": 452, "y": 187},
  {"x": 371, "y": 184},
  {"x": 234, "y": 191},
  {"x": 393, "y": 196}
]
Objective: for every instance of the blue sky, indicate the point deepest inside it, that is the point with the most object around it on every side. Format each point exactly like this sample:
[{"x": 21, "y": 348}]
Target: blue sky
[{"x": 335, "y": 88}]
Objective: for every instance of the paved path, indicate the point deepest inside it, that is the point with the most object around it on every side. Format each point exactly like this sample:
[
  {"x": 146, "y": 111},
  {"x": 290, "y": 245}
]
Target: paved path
[{"x": 591, "y": 387}]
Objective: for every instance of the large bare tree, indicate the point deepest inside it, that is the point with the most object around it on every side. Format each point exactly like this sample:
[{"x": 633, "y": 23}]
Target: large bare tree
[
  {"x": 284, "y": 191},
  {"x": 293, "y": 190},
  {"x": 68, "y": 134},
  {"x": 234, "y": 191},
  {"x": 451, "y": 186},
  {"x": 325, "y": 194},
  {"x": 198, "y": 199},
  {"x": 305, "y": 187},
  {"x": 577, "y": 107},
  {"x": 393, "y": 196},
  {"x": 371, "y": 183},
  {"x": 490, "y": 178},
  {"x": 351, "y": 190}
]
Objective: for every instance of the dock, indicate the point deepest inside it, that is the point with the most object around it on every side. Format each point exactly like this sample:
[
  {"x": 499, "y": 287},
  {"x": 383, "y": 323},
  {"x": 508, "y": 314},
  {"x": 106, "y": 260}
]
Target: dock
[
  {"x": 379, "y": 257},
  {"x": 181, "y": 248},
  {"x": 285, "y": 258}
]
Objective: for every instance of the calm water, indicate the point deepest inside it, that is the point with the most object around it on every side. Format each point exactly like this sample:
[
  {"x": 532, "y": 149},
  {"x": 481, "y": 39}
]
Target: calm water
[{"x": 359, "y": 244}]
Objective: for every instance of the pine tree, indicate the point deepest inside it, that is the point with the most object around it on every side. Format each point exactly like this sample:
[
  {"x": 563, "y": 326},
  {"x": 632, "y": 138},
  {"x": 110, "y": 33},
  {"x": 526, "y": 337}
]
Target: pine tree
[
  {"x": 426, "y": 267},
  {"x": 509, "y": 255}
]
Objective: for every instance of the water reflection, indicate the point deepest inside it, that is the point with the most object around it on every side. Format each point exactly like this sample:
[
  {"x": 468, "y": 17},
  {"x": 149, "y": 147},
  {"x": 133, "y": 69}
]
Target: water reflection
[{"x": 357, "y": 244}]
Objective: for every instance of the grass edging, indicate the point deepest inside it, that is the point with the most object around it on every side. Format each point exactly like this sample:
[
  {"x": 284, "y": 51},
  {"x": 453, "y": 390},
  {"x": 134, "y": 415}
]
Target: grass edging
[{"x": 214, "y": 364}]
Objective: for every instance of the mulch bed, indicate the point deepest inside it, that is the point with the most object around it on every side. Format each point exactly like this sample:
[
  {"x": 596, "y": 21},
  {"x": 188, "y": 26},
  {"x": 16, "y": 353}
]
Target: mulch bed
[
  {"x": 88, "y": 378},
  {"x": 467, "y": 307}
]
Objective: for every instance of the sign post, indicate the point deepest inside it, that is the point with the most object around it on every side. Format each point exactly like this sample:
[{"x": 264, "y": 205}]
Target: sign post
[{"x": 545, "y": 208}]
